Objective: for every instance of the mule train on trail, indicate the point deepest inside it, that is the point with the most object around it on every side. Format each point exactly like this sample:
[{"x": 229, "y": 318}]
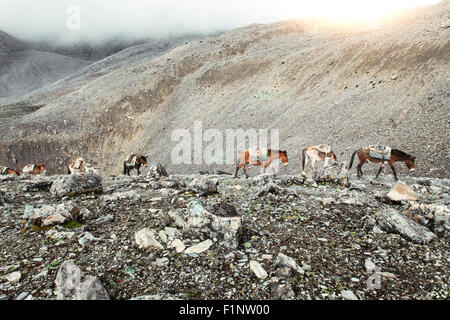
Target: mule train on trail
[
  {"x": 134, "y": 161},
  {"x": 382, "y": 154},
  {"x": 259, "y": 156},
  {"x": 80, "y": 165},
  {"x": 321, "y": 152},
  {"x": 255, "y": 156}
]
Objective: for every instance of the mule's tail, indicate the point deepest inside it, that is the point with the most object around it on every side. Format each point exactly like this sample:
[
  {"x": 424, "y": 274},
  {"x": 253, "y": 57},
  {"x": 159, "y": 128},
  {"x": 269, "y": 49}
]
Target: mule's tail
[
  {"x": 303, "y": 159},
  {"x": 351, "y": 160}
]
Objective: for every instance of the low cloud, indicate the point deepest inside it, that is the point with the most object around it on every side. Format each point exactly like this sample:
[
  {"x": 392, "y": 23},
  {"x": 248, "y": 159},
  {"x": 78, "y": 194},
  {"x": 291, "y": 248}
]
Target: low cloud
[{"x": 102, "y": 20}]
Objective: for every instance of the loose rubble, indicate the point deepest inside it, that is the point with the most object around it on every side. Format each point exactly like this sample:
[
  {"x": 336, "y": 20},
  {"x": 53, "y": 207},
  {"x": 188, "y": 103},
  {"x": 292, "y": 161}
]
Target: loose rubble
[{"x": 215, "y": 237}]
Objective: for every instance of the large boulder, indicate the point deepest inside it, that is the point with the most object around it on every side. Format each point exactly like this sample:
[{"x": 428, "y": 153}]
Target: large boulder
[
  {"x": 156, "y": 170},
  {"x": 402, "y": 192},
  {"x": 78, "y": 183},
  {"x": 392, "y": 221},
  {"x": 220, "y": 221},
  {"x": 71, "y": 285},
  {"x": 434, "y": 216},
  {"x": 280, "y": 283},
  {"x": 203, "y": 186},
  {"x": 49, "y": 215},
  {"x": 272, "y": 188},
  {"x": 336, "y": 173}
]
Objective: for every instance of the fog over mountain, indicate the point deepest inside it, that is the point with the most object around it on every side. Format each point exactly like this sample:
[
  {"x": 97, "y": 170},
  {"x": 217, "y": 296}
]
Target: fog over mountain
[{"x": 106, "y": 20}]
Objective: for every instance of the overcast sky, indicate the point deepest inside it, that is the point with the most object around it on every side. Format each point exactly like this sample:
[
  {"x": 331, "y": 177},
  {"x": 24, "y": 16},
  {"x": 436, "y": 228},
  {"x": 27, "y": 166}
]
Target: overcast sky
[{"x": 96, "y": 20}]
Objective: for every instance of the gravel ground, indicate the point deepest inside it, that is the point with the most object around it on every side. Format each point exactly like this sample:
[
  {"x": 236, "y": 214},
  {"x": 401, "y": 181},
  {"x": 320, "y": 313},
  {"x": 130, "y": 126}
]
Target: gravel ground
[{"x": 329, "y": 241}]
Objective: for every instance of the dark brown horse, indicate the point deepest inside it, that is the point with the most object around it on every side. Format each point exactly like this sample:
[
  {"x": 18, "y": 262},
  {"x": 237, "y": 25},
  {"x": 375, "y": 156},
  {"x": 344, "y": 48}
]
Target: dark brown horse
[
  {"x": 266, "y": 160},
  {"x": 34, "y": 169},
  {"x": 6, "y": 171},
  {"x": 134, "y": 161},
  {"x": 396, "y": 155}
]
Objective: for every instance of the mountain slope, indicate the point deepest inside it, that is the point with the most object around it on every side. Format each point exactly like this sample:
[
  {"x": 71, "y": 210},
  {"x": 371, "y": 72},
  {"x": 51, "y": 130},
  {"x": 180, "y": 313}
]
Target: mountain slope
[
  {"x": 24, "y": 68},
  {"x": 346, "y": 86}
]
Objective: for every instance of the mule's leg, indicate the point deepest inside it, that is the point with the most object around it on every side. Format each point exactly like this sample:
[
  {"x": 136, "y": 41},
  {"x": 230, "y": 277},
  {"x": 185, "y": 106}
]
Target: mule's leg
[
  {"x": 245, "y": 170},
  {"x": 313, "y": 164},
  {"x": 359, "y": 171},
  {"x": 265, "y": 165},
  {"x": 379, "y": 171},
  {"x": 238, "y": 167},
  {"x": 327, "y": 161},
  {"x": 306, "y": 163},
  {"x": 393, "y": 171}
]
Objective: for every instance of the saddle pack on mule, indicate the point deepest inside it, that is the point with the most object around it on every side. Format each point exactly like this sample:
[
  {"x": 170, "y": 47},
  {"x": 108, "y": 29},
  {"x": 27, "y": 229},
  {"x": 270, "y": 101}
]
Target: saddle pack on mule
[
  {"x": 131, "y": 159},
  {"x": 28, "y": 168},
  {"x": 3, "y": 170},
  {"x": 258, "y": 154},
  {"x": 378, "y": 152},
  {"x": 324, "y": 150}
]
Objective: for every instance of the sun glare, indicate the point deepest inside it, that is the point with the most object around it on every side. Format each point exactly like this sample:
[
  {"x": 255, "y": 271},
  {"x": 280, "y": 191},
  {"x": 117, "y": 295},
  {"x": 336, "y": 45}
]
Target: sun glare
[{"x": 357, "y": 9}]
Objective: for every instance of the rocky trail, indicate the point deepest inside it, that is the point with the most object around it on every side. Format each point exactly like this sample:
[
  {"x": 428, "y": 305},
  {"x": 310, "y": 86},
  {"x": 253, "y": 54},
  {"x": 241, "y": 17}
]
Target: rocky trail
[{"x": 208, "y": 236}]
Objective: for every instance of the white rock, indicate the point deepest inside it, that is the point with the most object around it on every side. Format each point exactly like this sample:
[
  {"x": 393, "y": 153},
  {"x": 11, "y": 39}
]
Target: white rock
[
  {"x": 71, "y": 285},
  {"x": 200, "y": 247},
  {"x": 171, "y": 232},
  {"x": 13, "y": 277},
  {"x": 328, "y": 201},
  {"x": 258, "y": 269},
  {"x": 53, "y": 234},
  {"x": 285, "y": 261},
  {"x": 178, "y": 245},
  {"x": 146, "y": 238},
  {"x": 349, "y": 295},
  {"x": 163, "y": 236},
  {"x": 402, "y": 192},
  {"x": 370, "y": 266}
]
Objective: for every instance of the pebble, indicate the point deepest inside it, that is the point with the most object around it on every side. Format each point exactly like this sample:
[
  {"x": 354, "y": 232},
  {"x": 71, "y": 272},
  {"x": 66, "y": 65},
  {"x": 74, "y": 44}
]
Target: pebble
[
  {"x": 349, "y": 295},
  {"x": 22, "y": 296}
]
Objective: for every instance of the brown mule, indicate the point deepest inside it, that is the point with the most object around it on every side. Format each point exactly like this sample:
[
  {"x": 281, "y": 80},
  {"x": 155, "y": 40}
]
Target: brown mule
[
  {"x": 34, "y": 169},
  {"x": 6, "y": 171},
  {"x": 245, "y": 159},
  {"x": 134, "y": 161},
  {"x": 395, "y": 156}
]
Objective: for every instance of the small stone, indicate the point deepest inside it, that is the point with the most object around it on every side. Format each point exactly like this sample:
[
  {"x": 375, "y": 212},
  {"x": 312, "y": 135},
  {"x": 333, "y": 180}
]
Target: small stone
[
  {"x": 22, "y": 296},
  {"x": 258, "y": 269},
  {"x": 146, "y": 238},
  {"x": 178, "y": 245},
  {"x": 199, "y": 248},
  {"x": 13, "y": 277},
  {"x": 349, "y": 295}
]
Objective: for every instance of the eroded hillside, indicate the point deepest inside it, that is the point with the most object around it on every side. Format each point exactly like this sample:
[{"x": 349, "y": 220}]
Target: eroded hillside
[{"x": 315, "y": 82}]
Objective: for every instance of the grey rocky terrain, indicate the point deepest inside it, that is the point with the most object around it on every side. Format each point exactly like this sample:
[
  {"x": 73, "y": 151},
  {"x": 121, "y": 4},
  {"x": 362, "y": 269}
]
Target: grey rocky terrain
[{"x": 213, "y": 237}]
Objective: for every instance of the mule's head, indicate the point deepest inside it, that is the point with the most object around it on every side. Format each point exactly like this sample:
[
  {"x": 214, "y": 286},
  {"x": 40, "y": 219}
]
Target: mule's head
[
  {"x": 410, "y": 163},
  {"x": 143, "y": 160},
  {"x": 284, "y": 157}
]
